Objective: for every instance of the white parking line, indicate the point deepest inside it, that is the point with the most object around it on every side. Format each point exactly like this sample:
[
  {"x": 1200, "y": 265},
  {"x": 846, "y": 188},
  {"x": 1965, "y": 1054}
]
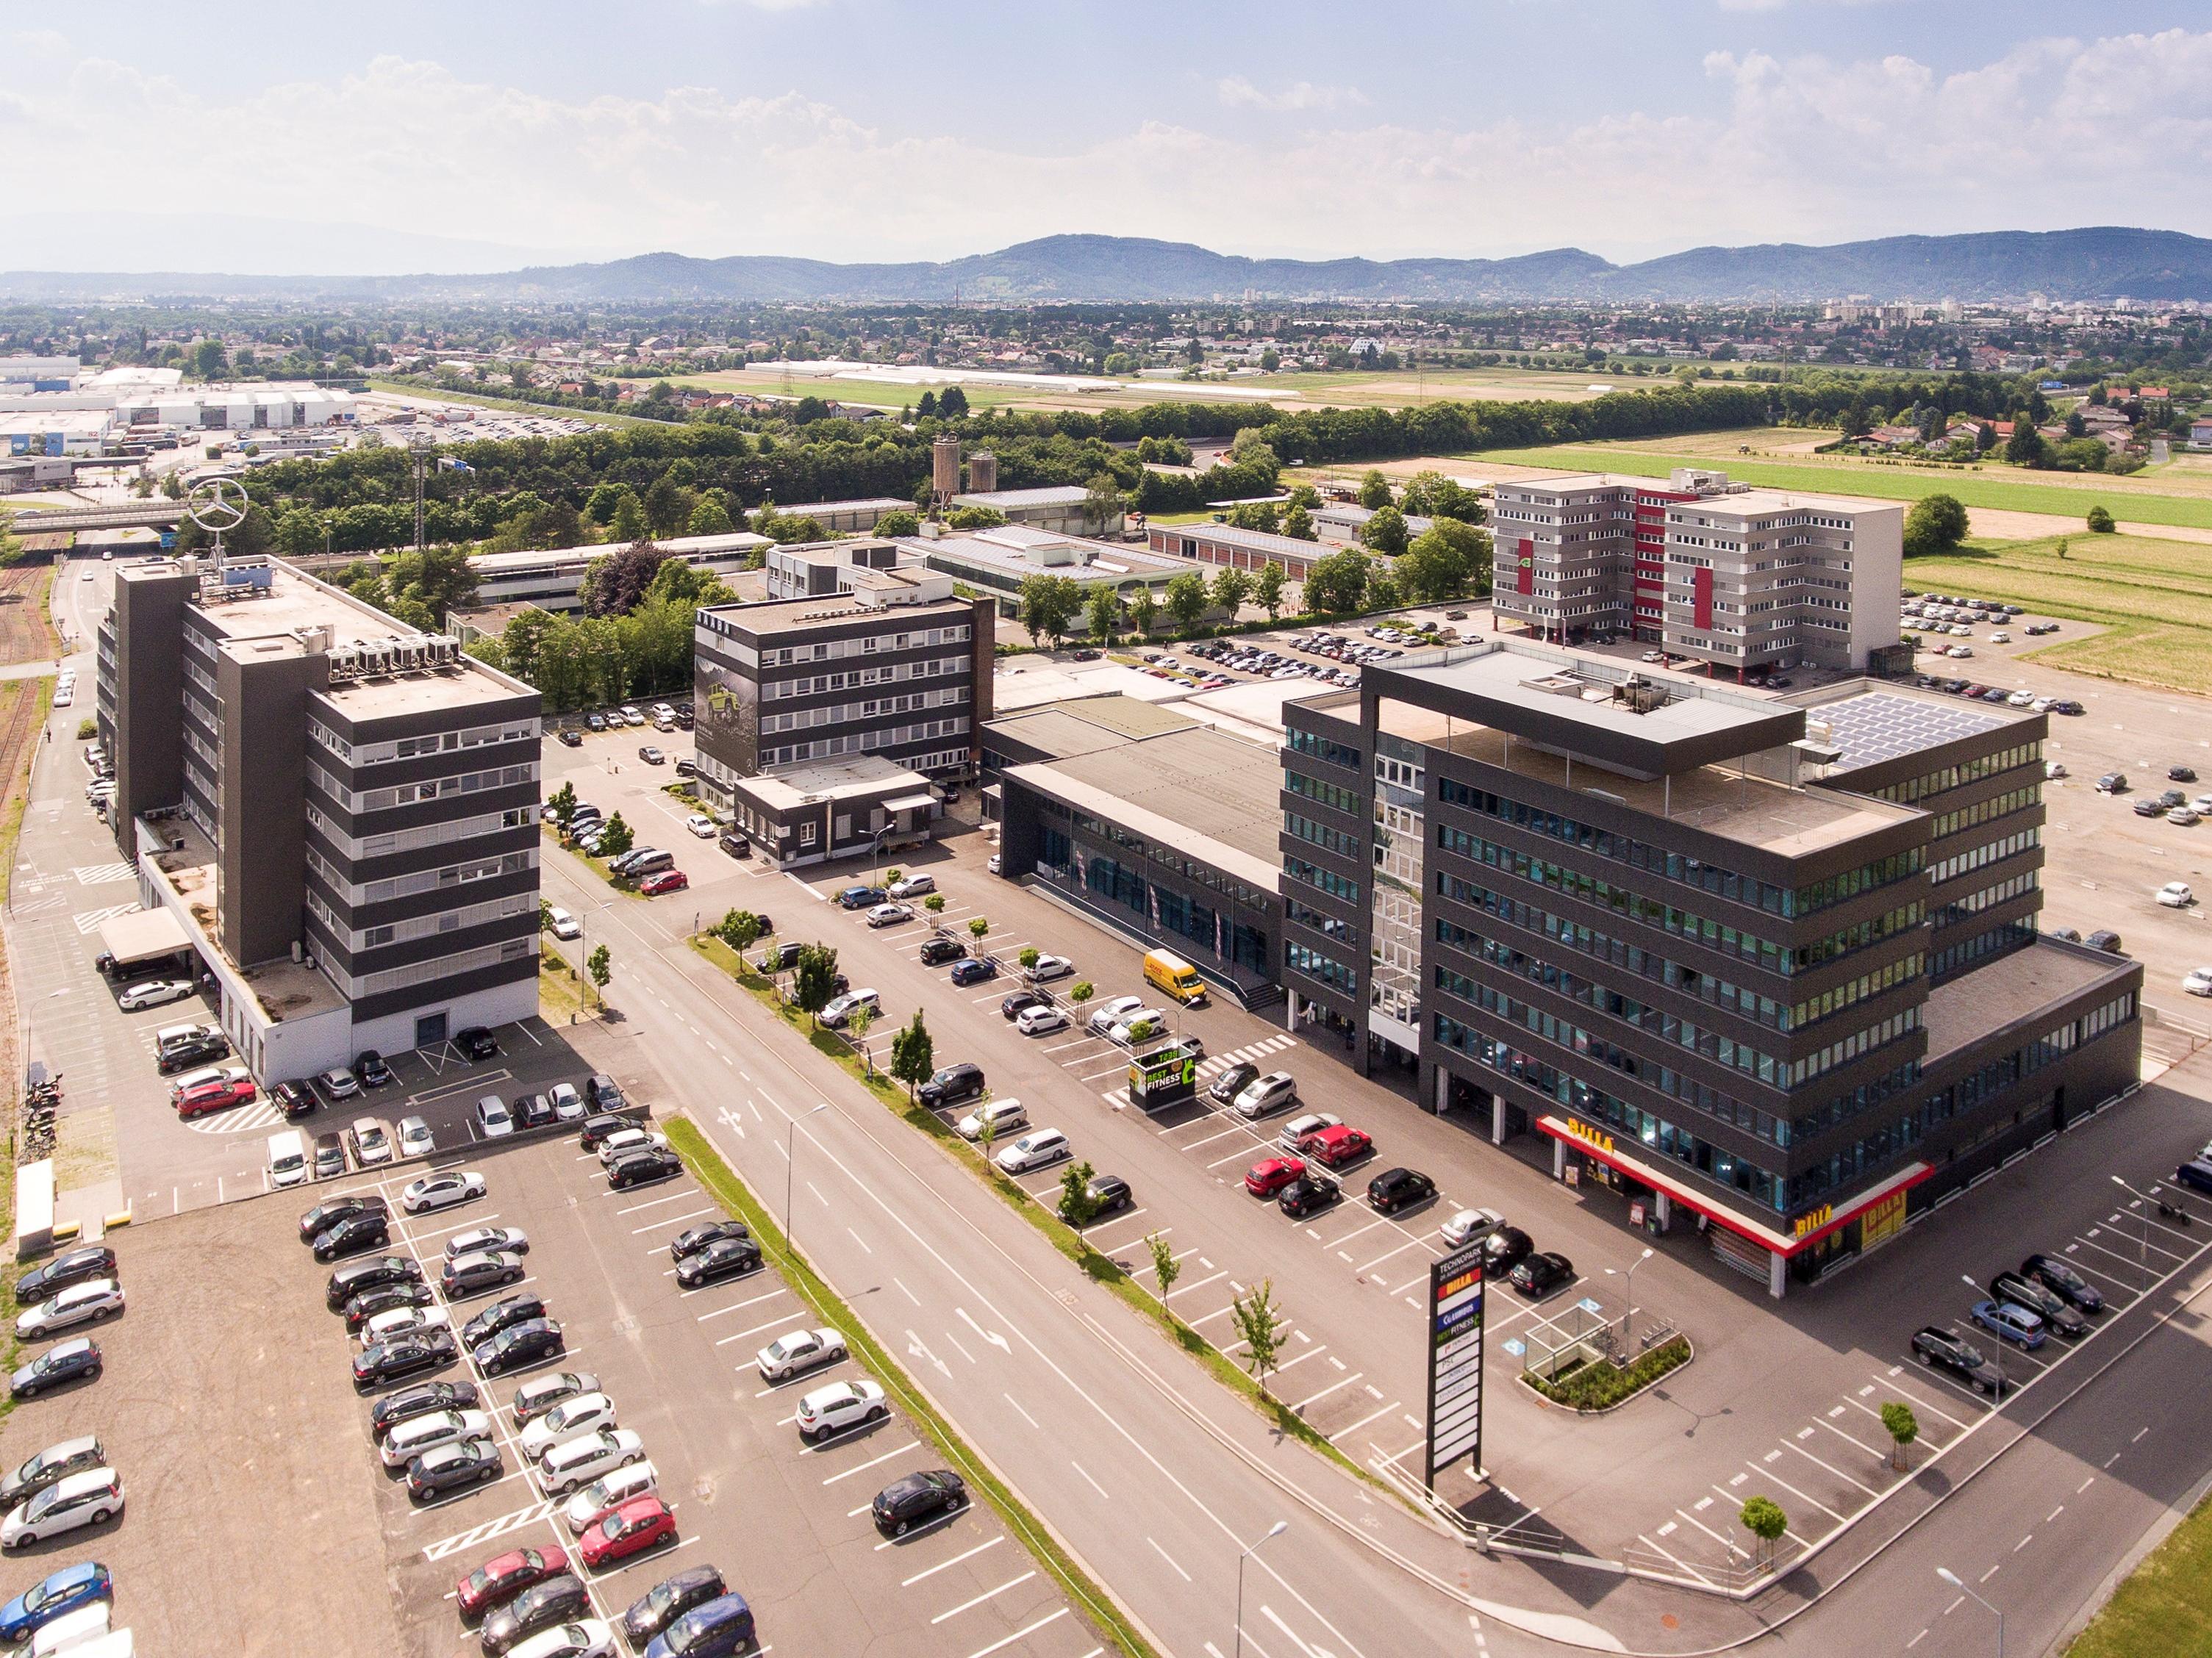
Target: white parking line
[
  {"x": 671, "y": 1220},
  {"x": 673, "y": 1197},
  {"x": 873, "y": 1462},
  {"x": 1023, "y": 1634},
  {"x": 987, "y": 1595},
  {"x": 932, "y": 1571},
  {"x": 739, "y": 1306}
]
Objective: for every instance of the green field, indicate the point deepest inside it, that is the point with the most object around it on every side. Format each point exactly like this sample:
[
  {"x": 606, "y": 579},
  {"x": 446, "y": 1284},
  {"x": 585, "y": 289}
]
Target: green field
[
  {"x": 2162, "y": 1610},
  {"x": 2153, "y": 597},
  {"x": 1991, "y": 488}
]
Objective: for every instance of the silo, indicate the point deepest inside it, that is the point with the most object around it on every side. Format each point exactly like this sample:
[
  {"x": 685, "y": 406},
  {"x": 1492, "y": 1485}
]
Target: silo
[
  {"x": 945, "y": 468},
  {"x": 982, "y": 472}
]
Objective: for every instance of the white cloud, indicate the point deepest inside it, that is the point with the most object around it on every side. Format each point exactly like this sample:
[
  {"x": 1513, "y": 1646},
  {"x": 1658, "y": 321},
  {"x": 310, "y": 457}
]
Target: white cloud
[
  {"x": 1238, "y": 93},
  {"x": 2053, "y": 133}
]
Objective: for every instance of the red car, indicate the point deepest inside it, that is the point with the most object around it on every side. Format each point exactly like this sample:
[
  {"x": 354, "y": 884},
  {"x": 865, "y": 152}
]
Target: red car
[
  {"x": 503, "y": 1576},
  {"x": 1336, "y": 1146},
  {"x": 1264, "y": 1179},
  {"x": 215, "y": 1097},
  {"x": 640, "y": 1524},
  {"x": 669, "y": 880}
]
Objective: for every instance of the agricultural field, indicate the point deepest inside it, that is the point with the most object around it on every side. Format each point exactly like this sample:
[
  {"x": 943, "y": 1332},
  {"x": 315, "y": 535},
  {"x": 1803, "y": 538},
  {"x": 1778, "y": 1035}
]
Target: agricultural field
[
  {"x": 2153, "y": 598},
  {"x": 2166, "y": 497}
]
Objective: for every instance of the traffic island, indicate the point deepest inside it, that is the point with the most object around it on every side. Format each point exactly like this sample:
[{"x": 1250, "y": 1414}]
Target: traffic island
[{"x": 1588, "y": 1383}]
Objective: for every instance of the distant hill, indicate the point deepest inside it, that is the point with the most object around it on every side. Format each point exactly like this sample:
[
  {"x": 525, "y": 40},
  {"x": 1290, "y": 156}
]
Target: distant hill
[{"x": 2094, "y": 263}]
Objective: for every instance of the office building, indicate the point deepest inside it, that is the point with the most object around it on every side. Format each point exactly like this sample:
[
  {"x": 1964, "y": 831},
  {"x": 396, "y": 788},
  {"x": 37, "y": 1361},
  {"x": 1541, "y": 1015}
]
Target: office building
[
  {"x": 1766, "y": 968},
  {"x": 998, "y": 560},
  {"x": 553, "y": 578},
  {"x": 1748, "y": 581},
  {"x": 340, "y": 815}
]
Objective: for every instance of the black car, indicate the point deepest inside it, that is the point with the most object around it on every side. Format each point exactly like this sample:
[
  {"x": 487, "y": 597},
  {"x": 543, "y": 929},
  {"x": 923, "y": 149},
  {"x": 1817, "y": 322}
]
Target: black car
[
  {"x": 403, "y": 1356},
  {"x": 1309, "y": 1195},
  {"x": 1504, "y": 1249},
  {"x": 917, "y": 1499},
  {"x": 976, "y": 972},
  {"x": 352, "y": 1235},
  {"x": 370, "y": 1071},
  {"x": 449, "y": 1468},
  {"x": 2169, "y": 799},
  {"x": 727, "y": 1258},
  {"x": 190, "y": 1052},
  {"x": 668, "y": 1600},
  {"x": 2113, "y": 782},
  {"x": 356, "y": 1276},
  {"x": 1399, "y": 1188},
  {"x": 690, "y": 1241},
  {"x": 643, "y": 1168},
  {"x": 2180, "y": 774},
  {"x": 472, "y": 1275},
  {"x": 385, "y": 1298},
  {"x": 1224, "y": 1088},
  {"x": 420, "y": 1400},
  {"x": 560, "y": 1600},
  {"x": 2105, "y": 939},
  {"x": 735, "y": 844},
  {"x": 1940, "y": 1350},
  {"x": 598, "y": 722},
  {"x": 2023, "y": 1290},
  {"x": 2058, "y": 1276},
  {"x": 1016, "y": 1000},
  {"x": 502, "y": 1316},
  {"x": 953, "y": 1084},
  {"x": 324, "y": 1216},
  {"x": 477, "y": 1043},
  {"x": 534, "y": 1111},
  {"x": 65, "y": 1363},
  {"x": 1109, "y": 1194},
  {"x": 96, "y": 1260},
  {"x": 935, "y": 952},
  {"x": 570, "y": 737},
  {"x": 1539, "y": 1274},
  {"x": 525, "y": 1343},
  {"x": 293, "y": 1099}
]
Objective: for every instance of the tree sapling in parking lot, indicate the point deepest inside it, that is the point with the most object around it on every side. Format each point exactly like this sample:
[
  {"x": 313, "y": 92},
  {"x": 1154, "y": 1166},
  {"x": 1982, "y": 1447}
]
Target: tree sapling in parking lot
[
  {"x": 914, "y": 1054},
  {"x": 1030, "y": 957},
  {"x": 978, "y": 929},
  {"x": 1258, "y": 1324},
  {"x": 1081, "y": 991},
  {"x": 934, "y": 903},
  {"x": 561, "y": 805},
  {"x": 740, "y": 929},
  {"x": 1077, "y": 1206},
  {"x": 1904, "y": 1427},
  {"x": 617, "y": 838},
  {"x": 1165, "y": 1266},
  {"x": 1763, "y": 1518},
  {"x": 815, "y": 979}
]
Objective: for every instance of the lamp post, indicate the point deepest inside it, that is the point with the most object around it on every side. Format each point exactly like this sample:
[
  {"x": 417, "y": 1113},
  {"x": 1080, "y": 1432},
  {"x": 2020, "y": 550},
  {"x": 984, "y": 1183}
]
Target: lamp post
[
  {"x": 1967, "y": 1279},
  {"x": 1274, "y": 1532},
  {"x": 1952, "y": 1578},
  {"x": 1628, "y": 1277},
  {"x": 790, "y": 1149},
  {"x": 2142, "y": 1228}
]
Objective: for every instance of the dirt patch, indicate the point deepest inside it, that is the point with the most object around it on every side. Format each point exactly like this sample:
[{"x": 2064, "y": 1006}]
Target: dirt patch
[{"x": 26, "y": 630}]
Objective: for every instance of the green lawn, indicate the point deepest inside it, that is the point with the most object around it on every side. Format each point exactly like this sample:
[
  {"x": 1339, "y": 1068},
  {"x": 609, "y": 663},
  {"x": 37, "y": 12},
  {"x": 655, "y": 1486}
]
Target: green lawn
[
  {"x": 2153, "y": 597},
  {"x": 1989, "y": 488},
  {"x": 2164, "y": 1610}
]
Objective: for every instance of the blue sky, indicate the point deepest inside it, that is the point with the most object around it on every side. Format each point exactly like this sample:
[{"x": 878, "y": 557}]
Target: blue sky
[{"x": 413, "y": 135}]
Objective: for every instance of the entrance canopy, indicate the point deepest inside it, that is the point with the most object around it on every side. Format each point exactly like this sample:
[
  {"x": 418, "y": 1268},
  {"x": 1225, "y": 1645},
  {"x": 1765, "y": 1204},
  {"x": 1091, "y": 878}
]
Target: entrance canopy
[{"x": 145, "y": 935}]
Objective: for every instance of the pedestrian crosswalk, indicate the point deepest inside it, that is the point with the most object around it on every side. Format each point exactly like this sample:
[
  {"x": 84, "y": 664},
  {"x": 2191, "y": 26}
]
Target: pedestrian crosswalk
[
  {"x": 1221, "y": 1062},
  {"x": 93, "y": 874},
  {"x": 239, "y": 1120},
  {"x": 89, "y": 920}
]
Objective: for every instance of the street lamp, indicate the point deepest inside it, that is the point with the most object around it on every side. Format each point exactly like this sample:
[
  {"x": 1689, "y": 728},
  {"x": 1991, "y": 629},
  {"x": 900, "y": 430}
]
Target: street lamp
[
  {"x": 1274, "y": 1532},
  {"x": 1628, "y": 1311},
  {"x": 790, "y": 1133},
  {"x": 1997, "y": 1338},
  {"x": 2142, "y": 1226},
  {"x": 1952, "y": 1578}
]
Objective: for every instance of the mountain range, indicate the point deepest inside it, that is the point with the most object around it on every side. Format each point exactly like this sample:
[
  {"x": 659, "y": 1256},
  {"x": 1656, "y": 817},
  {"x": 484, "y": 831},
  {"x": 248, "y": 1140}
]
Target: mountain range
[{"x": 2096, "y": 263}]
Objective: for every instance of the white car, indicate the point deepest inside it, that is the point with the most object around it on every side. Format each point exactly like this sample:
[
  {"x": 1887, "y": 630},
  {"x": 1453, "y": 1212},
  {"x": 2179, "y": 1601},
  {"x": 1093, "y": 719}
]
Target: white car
[
  {"x": 2176, "y": 895},
  {"x": 575, "y": 1463},
  {"x": 565, "y": 1420},
  {"x": 1040, "y": 1020},
  {"x": 1049, "y": 968},
  {"x": 796, "y": 1351},
  {"x": 2000, "y": 637},
  {"x": 1959, "y": 652},
  {"x": 840, "y": 1405},
  {"x": 65, "y": 695},
  {"x": 992, "y": 864},
  {"x": 2020, "y": 700},
  {"x": 584, "y": 1637},
  {"x": 2184, "y": 815},
  {"x": 638, "y": 1480},
  {"x": 435, "y": 1192},
  {"x": 889, "y": 915},
  {"x": 2054, "y": 769},
  {"x": 1038, "y": 1149},
  {"x": 1003, "y": 1115},
  {"x": 80, "y": 1499},
  {"x": 494, "y": 1119},
  {"x": 632, "y": 715},
  {"x": 568, "y": 1104},
  {"x": 80, "y": 1303},
  {"x": 411, "y": 1439},
  {"x": 2197, "y": 981},
  {"x": 1140, "y": 1025},
  {"x": 1311, "y": 1122},
  {"x": 701, "y": 825},
  {"x": 339, "y": 1083},
  {"x": 1112, "y": 1012},
  {"x": 623, "y": 1141},
  {"x": 1469, "y": 1224},
  {"x": 563, "y": 925},
  {"x": 487, "y": 1240},
  {"x": 372, "y": 1141},
  {"x": 415, "y": 1139},
  {"x": 231, "y": 1074},
  {"x": 839, "y": 1009},
  {"x": 153, "y": 993},
  {"x": 914, "y": 886},
  {"x": 395, "y": 1322}
]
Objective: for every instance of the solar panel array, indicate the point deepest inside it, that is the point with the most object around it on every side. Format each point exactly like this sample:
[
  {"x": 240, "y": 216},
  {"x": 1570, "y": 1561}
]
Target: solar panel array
[{"x": 1878, "y": 726}]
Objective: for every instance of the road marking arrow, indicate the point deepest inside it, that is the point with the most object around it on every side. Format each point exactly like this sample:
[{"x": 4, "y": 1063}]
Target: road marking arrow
[
  {"x": 991, "y": 1336},
  {"x": 916, "y": 1349}
]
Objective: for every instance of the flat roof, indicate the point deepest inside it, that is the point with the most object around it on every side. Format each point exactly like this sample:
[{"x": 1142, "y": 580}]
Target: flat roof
[
  {"x": 1086, "y": 724},
  {"x": 1050, "y": 495},
  {"x": 785, "y": 615},
  {"x": 1215, "y": 796},
  {"x": 1255, "y": 541},
  {"x": 2011, "y": 987},
  {"x": 552, "y": 558},
  {"x": 285, "y": 988},
  {"x": 1872, "y": 726},
  {"x": 832, "y": 779},
  {"x": 1001, "y": 549},
  {"x": 814, "y": 508}
]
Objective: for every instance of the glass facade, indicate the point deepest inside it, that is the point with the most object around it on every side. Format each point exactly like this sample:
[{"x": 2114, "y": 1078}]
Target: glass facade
[{"x": 1394, "y": 945}]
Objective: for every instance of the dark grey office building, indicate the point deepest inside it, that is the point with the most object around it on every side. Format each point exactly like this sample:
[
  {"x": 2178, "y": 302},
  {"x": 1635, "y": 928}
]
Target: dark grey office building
[
  {"x": 1771, "y": 964},
  {"x": 341, "y": 815}
]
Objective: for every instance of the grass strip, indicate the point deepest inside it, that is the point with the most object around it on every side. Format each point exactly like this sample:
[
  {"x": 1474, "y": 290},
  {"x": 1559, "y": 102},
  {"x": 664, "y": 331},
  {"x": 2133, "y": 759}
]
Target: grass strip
[
  {"x": 2162, "y": 1610},
  {"x": 719, "y": 1179},
  {"x": 1598, "y": 1385},
  {"x": 1100, "y": 1269}
]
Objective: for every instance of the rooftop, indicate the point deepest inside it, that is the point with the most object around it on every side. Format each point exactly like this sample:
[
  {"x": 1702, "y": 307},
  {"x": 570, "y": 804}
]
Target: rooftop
[
  {"x": 866, "y": 503},
  {"x": 1090, "y": 723},
  {"x": 1968, "y": 1008},
  {"x": 554, "y": 558},
  {"x": 286, "y": 989},
  {"x": 1016, "y": 550},
  {"x": 1256, "y": 541},
  {"x": 1871, "y": 726},
  {"x": 793, "y": 615},
  {"x": 862, "y": 777},
  {"x": 1051, "y": 495},
  {"x": 1217, "y": 799}
]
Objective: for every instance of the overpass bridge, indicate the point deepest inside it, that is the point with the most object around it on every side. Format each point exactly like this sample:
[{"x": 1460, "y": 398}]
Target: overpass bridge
[{"x": 129, "y": 516}]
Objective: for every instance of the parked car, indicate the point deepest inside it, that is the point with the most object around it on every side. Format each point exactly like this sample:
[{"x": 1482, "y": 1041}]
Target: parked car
[
  {"x": 435, "y": 1192},
  {"x": 935, "y": 952},
  {"x": 839, "y": 1009},
  {"x": 1539, "y": 1275},
  {"x": 1005, "y": 1116},
  {"x": 884, "y": 915},
  {"x": 573, "y": 1464},
  {"x": 411, "y": 1354},
  {"x": 503, "y": 1576},
  {"x": 90, "y": 1498},
  {"x": 914, "y": 886},
  {"x": 542, "y": 1392},
  {"x": 839, "y": 1407},
  {"x": 415, "y": 1139},
  {"x": 736, "y": 845},
  {"x": 352, "y": 1235},
  {"x": 1047, "y": 969},
  {"x": 75, "y": 1266},
  {"x": 545, "y": 1605},
  {"x": 1271, "y": 1175},
  {"x": 477, "y": 1043},
  {"x": 669, "y": 880},
  {"x": 219, "y": 1095},
  {"x": 73, "y": 1588},
  {"x": 493, "y": 1120},
  {"x": 724, "y": 1625},
  {"x": 1399, "y": 1188},
  {"x": 727, "y": 1258},
  {"x": 2196, "y": 1174},
  {"x": 701, "y": 825},
  {"x": 973, "y": 971},
  {"x": 419, "y": 1434},
  {"x": 2105, "y": 939},
  {"x": 1335, "y": 1146},
  {"x": 483, "y": 1240},
  {"x": 153, "y": 993},
  {"x": 666, "y": 1601},
  {"x": 1112, "y": 1012},
  {"x": 337, "y": 1084},
  {"x": 582, "y": 1414},
  {"x": 190, "y": 1053},
  {"x": 384, "y": 1298},
  {"x": 1224, "y": 1088},
  {"x": 1309, "y": 1195},
  {"x": 2008, "y": 1322},
  {"x": 796, "y": 1351},
  {"x": 608, "y": 1493},
  {"x": 473, "y": 1275},
  {"x": 420, "y": 1400},
  {"x": 1276, "y": 1092},
  {"x": 371, "y": 1141},
  {"x": 917, "y": 1499},
  {"x": 643, "y": 1167},
  {"x": 1038, "y": 1149},
  {"x": 2023, "y": 1289},
  {"x": 642, "y": 1523},
  {"x": 692, "y": 1240},
  {"x": 2057, "y": 1275},
  {"x": 1041, "y": 1019},
  {"x": 860, "y": 897},
  {"x": 1109, "y": 1193},
  {"x": 953, "y": 1084},
  {"x": 59, "y": 1365},
  {"x": 57, "y": 1462},
  {"x": 1467, "y": 1225},
  {"x": 526, "y": 1343},
  {"x": 2176, "y": 895},
  {"x": 350, "y": 1279}
]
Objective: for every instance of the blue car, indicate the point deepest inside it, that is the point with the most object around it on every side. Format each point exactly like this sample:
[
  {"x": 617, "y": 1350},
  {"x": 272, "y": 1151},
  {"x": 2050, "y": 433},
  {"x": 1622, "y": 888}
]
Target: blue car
[
  {"x": 859, "y": 897},
  {"x": 720, "y": 1629},
  {"x": 66, "y": 1591},
  {"x": 2009, "y": 1321},
  {"x": 975, "y": 971}
]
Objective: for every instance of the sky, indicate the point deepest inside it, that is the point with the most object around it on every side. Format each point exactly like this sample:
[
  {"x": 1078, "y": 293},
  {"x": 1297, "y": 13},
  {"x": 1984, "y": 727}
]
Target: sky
[{"x": 409, "y": 136}]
